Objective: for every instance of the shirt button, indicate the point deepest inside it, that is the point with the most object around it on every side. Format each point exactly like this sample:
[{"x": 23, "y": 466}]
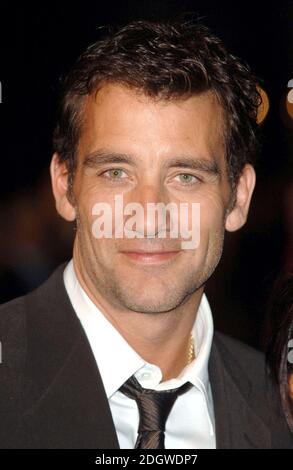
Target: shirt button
[{"x": 146, "y": 375}]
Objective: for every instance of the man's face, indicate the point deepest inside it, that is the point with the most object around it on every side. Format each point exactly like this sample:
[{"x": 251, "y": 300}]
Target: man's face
[{"x": 161, "y": 140}]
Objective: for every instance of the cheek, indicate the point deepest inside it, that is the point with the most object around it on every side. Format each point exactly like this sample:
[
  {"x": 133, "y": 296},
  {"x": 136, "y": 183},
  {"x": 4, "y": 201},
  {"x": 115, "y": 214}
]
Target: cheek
[
  {"x": 211, "y": 214},
  {"x": 93, "y": 203}
]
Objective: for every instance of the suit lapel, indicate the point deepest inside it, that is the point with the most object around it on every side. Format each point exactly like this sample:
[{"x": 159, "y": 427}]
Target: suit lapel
[
  {"x": 74, "y": 411},
  {"x": 69, "y": 408},
  {"x": 237, "y": 424}
]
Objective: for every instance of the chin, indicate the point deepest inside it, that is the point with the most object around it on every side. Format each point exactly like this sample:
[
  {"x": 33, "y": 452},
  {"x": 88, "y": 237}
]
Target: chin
[
  {"x": 154, "y": 308},
  {"x": 149, "y": 302}
]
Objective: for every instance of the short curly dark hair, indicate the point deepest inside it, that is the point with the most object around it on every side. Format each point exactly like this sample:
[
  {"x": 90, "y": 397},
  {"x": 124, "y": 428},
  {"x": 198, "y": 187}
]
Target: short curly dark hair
[{"x": 165, "y": 60}]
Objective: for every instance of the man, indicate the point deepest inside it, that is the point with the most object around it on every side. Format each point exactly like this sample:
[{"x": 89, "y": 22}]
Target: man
[{"x": 117, "y": 348}]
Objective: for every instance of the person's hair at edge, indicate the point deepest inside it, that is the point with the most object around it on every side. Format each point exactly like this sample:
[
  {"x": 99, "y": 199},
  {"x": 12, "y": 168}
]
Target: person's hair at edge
[
  {"x": 165, "y": 61},
  {"x": 281, "y": 316}
]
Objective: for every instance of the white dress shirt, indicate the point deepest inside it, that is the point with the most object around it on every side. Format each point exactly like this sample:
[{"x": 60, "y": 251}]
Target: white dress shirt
[{"x": 190, "y": 424}]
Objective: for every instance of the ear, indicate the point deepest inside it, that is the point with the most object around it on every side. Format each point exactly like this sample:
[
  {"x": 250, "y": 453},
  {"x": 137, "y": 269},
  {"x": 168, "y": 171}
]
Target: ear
[
  {"x": 245, "y": 186},
  {"x": 59, "y": 179}
]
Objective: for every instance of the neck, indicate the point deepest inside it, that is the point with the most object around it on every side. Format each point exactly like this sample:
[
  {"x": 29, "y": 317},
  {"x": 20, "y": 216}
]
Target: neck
[{"x": 151, "y": 335}]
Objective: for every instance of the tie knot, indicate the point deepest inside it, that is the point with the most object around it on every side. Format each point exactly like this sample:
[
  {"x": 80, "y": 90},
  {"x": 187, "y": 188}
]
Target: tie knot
[{"x": 154, "y": 406}]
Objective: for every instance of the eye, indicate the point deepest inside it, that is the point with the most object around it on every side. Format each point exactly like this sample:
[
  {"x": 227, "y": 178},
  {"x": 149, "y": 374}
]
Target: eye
[
  {"x": 114, "y": 173},
  {"x": 186, "y": 178}
]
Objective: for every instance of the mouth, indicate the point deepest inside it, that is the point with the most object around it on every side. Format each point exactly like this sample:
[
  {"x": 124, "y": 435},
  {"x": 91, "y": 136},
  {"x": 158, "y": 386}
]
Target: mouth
[{"x": 151, "y": 257}]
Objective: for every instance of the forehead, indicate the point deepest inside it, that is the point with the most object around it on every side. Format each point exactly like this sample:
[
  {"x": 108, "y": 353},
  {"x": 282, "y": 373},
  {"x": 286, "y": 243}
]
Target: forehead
[{"x": 126, "y": 120}]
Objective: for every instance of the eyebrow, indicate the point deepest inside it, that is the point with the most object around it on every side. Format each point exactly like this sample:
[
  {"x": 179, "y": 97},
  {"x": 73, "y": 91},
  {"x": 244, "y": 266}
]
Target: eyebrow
[
  {"x": 209, "y": 166},
  {"x": 102, "y": 157}
]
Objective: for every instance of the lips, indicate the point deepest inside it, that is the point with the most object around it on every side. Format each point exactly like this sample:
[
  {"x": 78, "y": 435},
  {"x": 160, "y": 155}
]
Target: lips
[{"x": 151, "y": 257}]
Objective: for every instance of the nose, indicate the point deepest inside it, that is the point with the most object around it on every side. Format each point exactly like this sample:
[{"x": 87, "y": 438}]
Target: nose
[{"x": 151, "y": 217}]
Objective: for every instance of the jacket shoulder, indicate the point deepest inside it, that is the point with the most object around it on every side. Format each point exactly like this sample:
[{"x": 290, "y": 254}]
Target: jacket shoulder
[
  {"x": 249, "y": 372},
  {"x": 246, "y": 366},
  {"x": 12, "y": 325},
  {"x": 239, "y": 353}
]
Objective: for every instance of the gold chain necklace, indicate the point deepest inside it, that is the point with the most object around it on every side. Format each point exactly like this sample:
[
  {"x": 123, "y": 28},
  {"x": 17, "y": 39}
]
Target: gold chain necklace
[{"x": 191, "y": 354}]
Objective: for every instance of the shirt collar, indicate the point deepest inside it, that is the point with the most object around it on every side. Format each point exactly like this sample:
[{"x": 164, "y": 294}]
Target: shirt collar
[{"x": 117, "y": 360}]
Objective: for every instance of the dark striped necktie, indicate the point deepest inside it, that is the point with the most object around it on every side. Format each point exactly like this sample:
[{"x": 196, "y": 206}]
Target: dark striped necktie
[{"x": 154, "y": 408}]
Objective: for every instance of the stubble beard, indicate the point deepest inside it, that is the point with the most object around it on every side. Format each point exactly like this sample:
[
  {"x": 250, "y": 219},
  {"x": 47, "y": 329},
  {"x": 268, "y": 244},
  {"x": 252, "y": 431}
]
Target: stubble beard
[{"x": 124, "y": 295}]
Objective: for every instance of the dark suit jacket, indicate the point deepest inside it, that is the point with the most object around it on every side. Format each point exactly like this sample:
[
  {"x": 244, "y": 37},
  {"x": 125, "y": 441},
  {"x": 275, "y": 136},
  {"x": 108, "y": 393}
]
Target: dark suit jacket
[{"x": 52, "y": 395}]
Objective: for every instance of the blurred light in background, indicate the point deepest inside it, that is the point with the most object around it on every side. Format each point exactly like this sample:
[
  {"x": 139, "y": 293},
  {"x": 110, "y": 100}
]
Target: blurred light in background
[
  {"x": 286, "y": 107},
  {"x": 263, "y": 108},
  {"x": 289, "y": 101}
]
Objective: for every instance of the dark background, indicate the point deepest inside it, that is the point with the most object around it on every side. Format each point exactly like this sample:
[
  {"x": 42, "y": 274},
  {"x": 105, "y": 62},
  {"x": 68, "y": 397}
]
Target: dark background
[{"x": 38, "y": 45}]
